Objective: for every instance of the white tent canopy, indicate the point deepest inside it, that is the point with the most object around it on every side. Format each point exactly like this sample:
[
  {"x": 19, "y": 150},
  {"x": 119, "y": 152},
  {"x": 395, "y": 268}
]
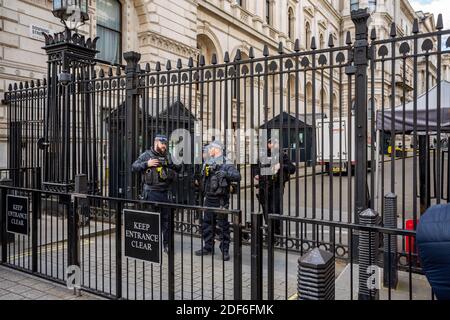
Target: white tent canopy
[{"x": 405, "y": 116}]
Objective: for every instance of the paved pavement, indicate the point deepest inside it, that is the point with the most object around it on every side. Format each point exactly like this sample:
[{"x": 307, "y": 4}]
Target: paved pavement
[{"x": 15, "y": 285}]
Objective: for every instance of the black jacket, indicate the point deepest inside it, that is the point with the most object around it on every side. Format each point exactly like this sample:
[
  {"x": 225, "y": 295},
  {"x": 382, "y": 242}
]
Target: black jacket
[
  {"x": 230, "y": 174},
  {"x": 273, "y": 181},
  {"x": 153, "y": 179}
]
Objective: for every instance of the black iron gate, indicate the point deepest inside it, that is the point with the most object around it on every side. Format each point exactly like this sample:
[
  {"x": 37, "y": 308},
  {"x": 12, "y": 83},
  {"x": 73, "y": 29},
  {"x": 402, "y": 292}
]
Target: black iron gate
[{"x": 88, "y": 120}]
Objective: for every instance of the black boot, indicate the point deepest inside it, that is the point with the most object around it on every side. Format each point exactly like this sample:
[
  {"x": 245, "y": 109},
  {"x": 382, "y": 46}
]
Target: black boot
[
  {"x": 204, "y": 252},
  {"x": 226, "y": 256}
]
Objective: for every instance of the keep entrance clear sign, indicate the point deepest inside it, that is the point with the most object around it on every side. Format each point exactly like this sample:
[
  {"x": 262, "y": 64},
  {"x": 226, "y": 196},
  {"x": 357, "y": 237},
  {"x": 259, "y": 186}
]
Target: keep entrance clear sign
[
  {"x": 142, "y": 235},
  {"x": 17, "y": 215}
]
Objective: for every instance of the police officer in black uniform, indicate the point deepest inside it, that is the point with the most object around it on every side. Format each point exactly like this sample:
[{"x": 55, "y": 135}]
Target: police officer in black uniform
[
  {"x": 218, "y": 174},
  {"x": 271, "y": 180},
  {"x": 159, "y": 172}
]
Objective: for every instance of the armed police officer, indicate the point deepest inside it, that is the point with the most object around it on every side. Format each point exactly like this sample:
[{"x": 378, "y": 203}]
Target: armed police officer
[
  {"x": 271, "y": 180},
  {"x": 159, "y": 174},
  {"x": 218, "y": 175}
]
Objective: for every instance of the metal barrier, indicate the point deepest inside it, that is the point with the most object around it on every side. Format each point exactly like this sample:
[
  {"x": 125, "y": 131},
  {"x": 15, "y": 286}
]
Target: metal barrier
[
  {"x": 282, "y": 263},
  {"x": 60, "y": 237}
]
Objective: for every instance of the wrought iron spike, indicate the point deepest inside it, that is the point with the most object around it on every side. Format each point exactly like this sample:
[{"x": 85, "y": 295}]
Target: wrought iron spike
[
  {"x": 214, "y": 58},
  {"x": 297, "y": 45},
  {"x": 313, "y": 43},
  {"x": 179, "y": 64},
  {"x": 266, "y": 50},
  {"x": 147, "y": 67},
  {"x": 110, "y": 72},
  {"x": 251, "y": 53},
  {"x": 393, "y": 32},
  {"x": 373, "y": 34},
  {"x": 238, "y": 55},
  {"x": 226, "y": 59},
  {"x": 348, "y": 38},
  {"x": 415, "y": 29},
  {"x": 280, "y": 48},
  {"x": 440, "y": 22},
  {"x": 169, "y": 65},
  {"x": 201, "y": 61},
  {"x": 101, "y": 73},
  {"x": 158, "y": 66},
  {"x": 330, "y": 41}
]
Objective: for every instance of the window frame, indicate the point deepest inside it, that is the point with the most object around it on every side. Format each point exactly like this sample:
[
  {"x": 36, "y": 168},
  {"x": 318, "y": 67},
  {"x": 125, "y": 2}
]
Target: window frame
[
  {"x": 269, "y": 13},
  {"x": 291, "y": 23},
  {"x": 119, "y": 62}
]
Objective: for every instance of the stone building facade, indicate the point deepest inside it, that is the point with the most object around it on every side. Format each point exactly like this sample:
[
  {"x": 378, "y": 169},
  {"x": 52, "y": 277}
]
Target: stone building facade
[{"x": 172, "y": 29}]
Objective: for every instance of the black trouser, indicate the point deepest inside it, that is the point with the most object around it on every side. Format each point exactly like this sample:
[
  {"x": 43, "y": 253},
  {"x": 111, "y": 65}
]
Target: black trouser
[
  {"x": 161, "y": 196},
  {"x": 210, "y": 220},
  {"x": 273, "y": 201}
]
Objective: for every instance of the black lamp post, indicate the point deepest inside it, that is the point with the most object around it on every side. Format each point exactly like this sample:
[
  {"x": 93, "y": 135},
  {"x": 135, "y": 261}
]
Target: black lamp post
[{"x": 72, "y": 13}]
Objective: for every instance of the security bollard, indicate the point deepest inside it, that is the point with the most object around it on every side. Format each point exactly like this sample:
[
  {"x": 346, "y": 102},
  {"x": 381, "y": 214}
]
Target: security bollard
[
  {"x": 316, "y": 276},
  {"x": 368, "y": 252},
  {"x": 390, "y": 273}
]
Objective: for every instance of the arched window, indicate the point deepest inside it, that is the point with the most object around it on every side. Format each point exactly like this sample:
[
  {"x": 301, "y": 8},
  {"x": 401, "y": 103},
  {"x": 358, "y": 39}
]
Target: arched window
[
  {"x": 291, "y": 24},
  {"x": 307, "y": 35},
  {"x": 109, "y": 30}
]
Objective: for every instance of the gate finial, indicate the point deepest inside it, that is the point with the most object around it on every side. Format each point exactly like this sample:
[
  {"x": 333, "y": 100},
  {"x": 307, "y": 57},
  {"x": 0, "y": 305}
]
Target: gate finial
[{"x": 440, "y": 22}]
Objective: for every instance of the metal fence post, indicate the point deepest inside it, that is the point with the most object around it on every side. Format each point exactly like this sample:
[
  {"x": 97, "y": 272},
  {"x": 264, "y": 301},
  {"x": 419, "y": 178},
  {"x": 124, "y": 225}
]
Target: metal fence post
[
  {"x": 361, "y": 63},
  {"x": 390, "y": 274},
  {"x": 367, "y": 257},
  {"x": 237, "y": 249},
  {"x": 270, "y": 259},
  {"x": 132, "y": 58},
  {"x": 171, "y": 256},
  {"x": 119, "y": 250},
  {"x": 3, "y": 234},
  {"x": 36, "y": 214},
  {"x": 256, "y": 257}
]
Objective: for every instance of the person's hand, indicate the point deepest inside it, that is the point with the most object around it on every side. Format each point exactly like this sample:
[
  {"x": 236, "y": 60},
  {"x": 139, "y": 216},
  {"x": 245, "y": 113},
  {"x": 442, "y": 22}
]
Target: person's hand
[
  {"x": 152, "y": 163},
  {"x": 257, "y": 177},
  {"x": 277, "y": 167}
]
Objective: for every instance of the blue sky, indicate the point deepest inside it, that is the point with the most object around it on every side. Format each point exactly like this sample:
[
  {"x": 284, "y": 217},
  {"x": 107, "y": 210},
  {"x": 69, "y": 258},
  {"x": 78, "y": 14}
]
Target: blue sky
[{"x": 434, "y": 6}]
